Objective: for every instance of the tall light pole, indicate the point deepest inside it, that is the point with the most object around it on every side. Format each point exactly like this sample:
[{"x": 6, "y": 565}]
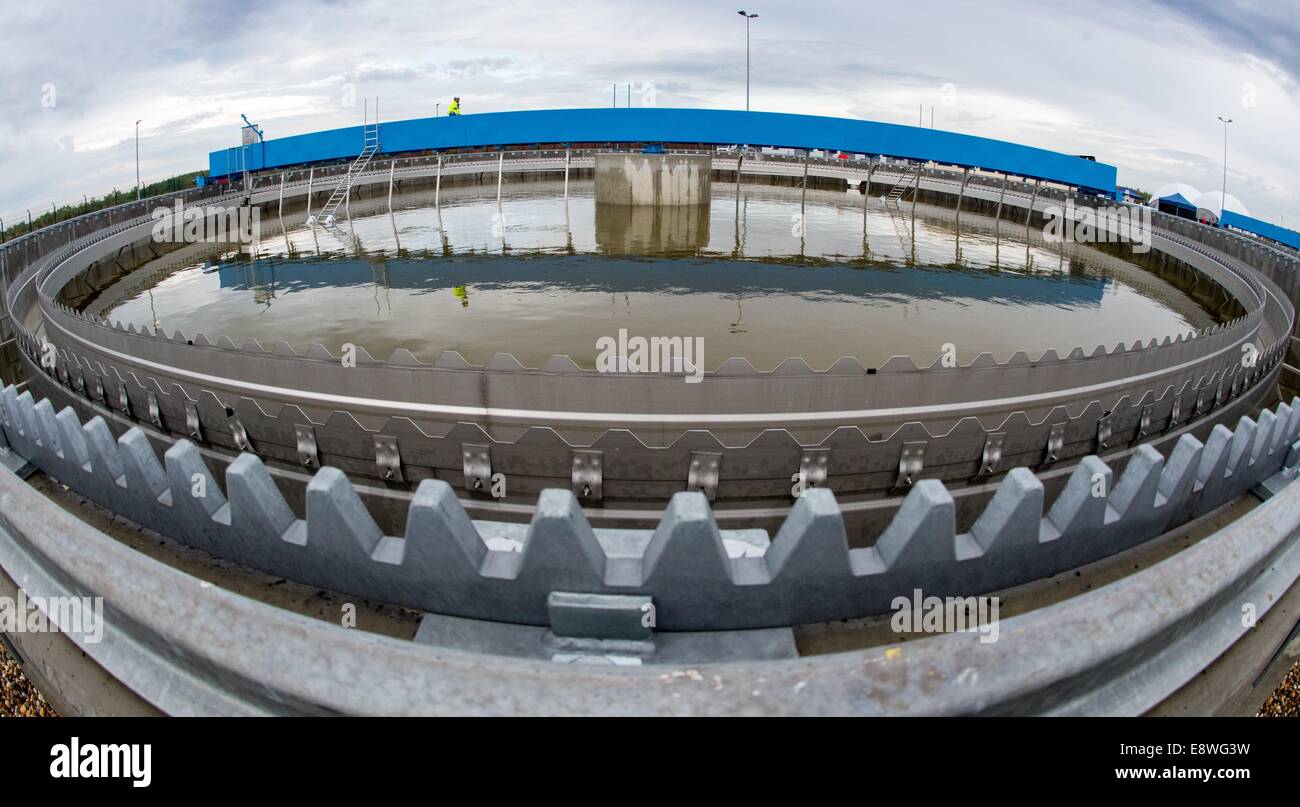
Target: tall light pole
[
  {"x": 1223, "y": 194},
  {"x": 137, "y": 161},
  {"x": 748, "y": 18}
]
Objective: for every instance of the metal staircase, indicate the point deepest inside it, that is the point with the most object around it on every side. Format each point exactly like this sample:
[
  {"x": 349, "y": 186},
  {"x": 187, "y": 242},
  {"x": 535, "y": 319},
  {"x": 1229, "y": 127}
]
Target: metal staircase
[
  {"x": 903, "y": 184},
  {"x": 369, "y": 147}
]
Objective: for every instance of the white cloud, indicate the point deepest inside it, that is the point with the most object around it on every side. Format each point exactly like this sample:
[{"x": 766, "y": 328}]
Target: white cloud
[{"x": 1136, "y": 84}]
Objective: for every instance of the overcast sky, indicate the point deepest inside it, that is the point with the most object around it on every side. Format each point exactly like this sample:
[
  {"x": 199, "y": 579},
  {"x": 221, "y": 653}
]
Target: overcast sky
[{"x": 1138, "y": 83}]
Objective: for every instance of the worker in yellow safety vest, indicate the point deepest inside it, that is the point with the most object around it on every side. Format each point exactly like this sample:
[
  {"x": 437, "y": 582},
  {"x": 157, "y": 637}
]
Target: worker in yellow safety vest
[{"x": 454, "y": 107}]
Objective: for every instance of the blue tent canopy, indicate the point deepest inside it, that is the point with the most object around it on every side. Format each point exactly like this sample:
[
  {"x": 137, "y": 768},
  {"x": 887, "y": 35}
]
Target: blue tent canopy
[{"x": 1177, "y": 200}]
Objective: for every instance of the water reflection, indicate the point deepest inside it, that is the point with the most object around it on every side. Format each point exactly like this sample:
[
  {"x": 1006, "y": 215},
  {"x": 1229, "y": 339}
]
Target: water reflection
[
  {"x": 647, "y": 230},
  {"x": 537, "y": 276}
]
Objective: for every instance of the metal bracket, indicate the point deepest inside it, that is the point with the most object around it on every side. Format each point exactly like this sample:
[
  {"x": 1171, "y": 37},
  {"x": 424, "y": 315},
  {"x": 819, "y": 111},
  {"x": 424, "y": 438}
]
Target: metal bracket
[
  {"x": 600, "y": 616},
  {"x": 388, "y": 458},
  {"x": 239, "y": 435},
  {"x": 1144, "y": 421},
  {"x": 1201, "y": 399},
  {"x": 588, "y": 475},
  {"x": 992, "y": 455},
  {"x": 703, "y": 473},
  {"x": 97, "y": 389},
  {"x": 307, "y": 454},
  {"x": 814, "y": 467},
  {"x": 155, "y": 414},
  {"x": 477, "y": 460},
  {"x": 192, "y": 421},
  {"x": 910, "y": 462},
  {"x": 1103, "y": 432},
  {"x": 1055, "y": 442},
  {"x": 123, "y": 400},
  {"x": 1175, "y": 412}
]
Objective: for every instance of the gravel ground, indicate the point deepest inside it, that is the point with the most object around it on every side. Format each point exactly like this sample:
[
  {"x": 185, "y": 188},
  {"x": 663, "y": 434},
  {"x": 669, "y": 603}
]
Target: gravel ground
[
  {"x": 1285, "y": 701},
  {"x": 18, "y": 698}
]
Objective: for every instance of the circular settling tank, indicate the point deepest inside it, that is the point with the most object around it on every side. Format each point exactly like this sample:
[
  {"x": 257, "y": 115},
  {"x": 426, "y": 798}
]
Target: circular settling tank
[{"x": 766, "y": 275}]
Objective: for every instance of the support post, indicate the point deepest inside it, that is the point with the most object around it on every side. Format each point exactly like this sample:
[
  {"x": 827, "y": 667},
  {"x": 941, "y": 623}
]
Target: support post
[
  {"x": 392, "y": 168},
  {"x": 740, "y": 164},
  {"x": 961, "y": 195},
  {"x": 1029, "y": 217},
  {"x": 311, "y": 175},
  {"x": 807, "y": 155},
  {"x": 501, "y": 163},
  {"x": 866, "y": 199},
  {"x": 916, "y": 191},
  {"x": 281, "y": 211}
]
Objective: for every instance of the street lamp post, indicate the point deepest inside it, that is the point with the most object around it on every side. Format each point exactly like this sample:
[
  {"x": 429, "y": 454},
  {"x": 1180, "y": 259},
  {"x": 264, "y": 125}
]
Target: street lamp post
[
  {"x": 748, "y": 18},
  {"x": 137, "y": 161},
  {"x": 1223, "y": 193}
]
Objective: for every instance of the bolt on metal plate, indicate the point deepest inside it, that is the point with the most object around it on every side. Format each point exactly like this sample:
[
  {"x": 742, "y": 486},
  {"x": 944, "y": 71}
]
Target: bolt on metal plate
[
  {"x": 388, "y": 458},
  {"x": 588, "y": 475},
  {"x": 703, "y": 473},
  {"x": 477, "y": 460},
  {"x": 992, "y": 455},
  {"x": 192, "y": 425},
  {"x": 1055, "y": 442},
  {"x": 910, "y": 462},
  {"x": 306, "y": 439},
  {"x": 814, "y": 467}
]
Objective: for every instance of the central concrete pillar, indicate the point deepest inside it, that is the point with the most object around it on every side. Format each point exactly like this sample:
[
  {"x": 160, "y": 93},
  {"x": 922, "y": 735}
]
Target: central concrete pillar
[{"x": 666, "y": 180}]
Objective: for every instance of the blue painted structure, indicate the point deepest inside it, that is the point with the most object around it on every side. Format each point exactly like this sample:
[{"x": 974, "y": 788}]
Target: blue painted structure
[
  {"x": 1177, "y": 200},
  {"x": 709, "y": 126},
  {"x": 1291, "y": 238}
]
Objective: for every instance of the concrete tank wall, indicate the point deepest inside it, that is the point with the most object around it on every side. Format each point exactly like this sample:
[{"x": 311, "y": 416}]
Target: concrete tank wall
[{"x": 653, "y": 179}]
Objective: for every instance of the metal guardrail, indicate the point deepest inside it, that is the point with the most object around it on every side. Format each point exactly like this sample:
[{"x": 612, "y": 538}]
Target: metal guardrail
[
  {"x": 190, "y": 648},
  {"x": 805, "y": 573}
]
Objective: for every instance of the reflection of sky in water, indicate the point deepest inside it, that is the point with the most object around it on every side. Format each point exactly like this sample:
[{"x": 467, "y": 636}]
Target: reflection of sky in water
[{"x": 429, "y": 295}]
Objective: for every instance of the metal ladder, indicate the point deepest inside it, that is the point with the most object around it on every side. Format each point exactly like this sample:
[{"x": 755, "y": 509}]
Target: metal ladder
[
  {"x": 902, "y": 186},
  {"x": 369, "y": 147}
]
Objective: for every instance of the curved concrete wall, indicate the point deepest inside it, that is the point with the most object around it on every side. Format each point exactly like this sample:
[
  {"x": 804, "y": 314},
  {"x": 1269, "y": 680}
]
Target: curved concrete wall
[{"x": 713, "y": 126}]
